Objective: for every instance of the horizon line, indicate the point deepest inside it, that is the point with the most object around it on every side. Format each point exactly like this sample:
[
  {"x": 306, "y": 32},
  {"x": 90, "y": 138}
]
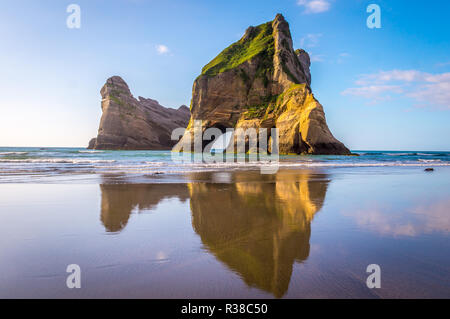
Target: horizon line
[{"x": 352, "y": 150}]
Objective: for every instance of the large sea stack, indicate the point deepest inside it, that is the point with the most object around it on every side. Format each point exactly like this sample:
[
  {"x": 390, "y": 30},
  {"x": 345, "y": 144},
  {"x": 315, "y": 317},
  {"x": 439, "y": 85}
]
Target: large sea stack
[
  {"x": 261, "y": 82},
  {"x": 131, "y": 124}
]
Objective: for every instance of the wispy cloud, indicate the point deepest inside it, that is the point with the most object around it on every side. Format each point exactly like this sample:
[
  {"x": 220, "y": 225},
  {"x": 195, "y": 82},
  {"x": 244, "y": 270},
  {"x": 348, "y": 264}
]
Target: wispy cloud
[
  {"x": 443, "y": 64},
  {"x": 374, "y": 93},
  {"x": 311, "y": 40},
  {"x": 314, "y": 6},
  {"x": 342, "y": 57},
  {"x": 427, "y": 89},
  {"x": 317, "y": 57},
  {"x": 162, "y": 49},
  {"x": 391, "y": 76}
]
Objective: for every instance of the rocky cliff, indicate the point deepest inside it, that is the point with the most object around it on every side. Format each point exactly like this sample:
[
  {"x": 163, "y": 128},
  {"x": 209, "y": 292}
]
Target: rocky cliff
[
  {"x": 131, "y": 124},
  {"x": 261, "y": 82}
]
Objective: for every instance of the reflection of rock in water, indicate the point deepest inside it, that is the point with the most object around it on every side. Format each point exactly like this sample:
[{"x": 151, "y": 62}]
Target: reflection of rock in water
[
  {"x": 118, "y": 200},
  {"x": 258, "y": 229}
]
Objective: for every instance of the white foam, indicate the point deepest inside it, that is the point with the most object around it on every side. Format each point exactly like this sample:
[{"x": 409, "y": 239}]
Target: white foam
[
  {"x": 13, "y": 153},
  {"x": 199, "y": 167},
  {"x": 430, "y": 161},
  {"x": 90, "y": 151},
  {"x": 55, "y": 160}
]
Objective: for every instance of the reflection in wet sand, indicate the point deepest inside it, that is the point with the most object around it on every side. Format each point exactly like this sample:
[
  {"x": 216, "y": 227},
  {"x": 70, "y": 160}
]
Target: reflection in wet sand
[
  {"x": 119, "y": 200},
  {"x": 258, "y": 226},
  {"x": 423, "y": 218},
  {"x": 258, "y": 229}
]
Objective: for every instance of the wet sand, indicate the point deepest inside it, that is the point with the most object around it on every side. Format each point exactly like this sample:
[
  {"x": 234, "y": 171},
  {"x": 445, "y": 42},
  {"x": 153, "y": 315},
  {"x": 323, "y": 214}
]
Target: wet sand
[{"x": 295, "y": 234}]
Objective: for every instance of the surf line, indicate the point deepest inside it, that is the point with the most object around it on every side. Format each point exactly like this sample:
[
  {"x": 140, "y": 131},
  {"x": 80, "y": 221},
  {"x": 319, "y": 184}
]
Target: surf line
[{"x": 193, "y": 309}]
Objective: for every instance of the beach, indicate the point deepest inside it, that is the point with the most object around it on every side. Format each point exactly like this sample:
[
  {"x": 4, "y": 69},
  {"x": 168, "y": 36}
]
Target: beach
[{"x": 141, "y": 226}]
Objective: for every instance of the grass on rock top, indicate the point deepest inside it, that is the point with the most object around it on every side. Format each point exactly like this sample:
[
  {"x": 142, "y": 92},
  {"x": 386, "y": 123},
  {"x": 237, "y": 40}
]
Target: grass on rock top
[{"x": 259, "y": 40}]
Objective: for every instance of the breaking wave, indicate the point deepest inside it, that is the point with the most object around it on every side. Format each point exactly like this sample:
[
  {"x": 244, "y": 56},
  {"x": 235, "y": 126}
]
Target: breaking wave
[{"x": 55, "y": 160}]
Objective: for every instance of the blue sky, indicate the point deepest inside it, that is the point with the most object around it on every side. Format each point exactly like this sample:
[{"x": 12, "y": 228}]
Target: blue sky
[{"x": 385, "y": 88}]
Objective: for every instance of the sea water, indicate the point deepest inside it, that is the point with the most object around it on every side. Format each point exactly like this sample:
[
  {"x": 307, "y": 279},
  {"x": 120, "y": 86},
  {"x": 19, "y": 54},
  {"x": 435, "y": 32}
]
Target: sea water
[{"x": 20, "y": 163}]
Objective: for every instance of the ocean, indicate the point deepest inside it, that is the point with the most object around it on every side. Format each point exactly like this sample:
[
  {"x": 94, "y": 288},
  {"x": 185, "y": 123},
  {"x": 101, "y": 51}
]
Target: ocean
[
  {"x": 141, "y": 224},
  {"x": 20, "y": 164}
]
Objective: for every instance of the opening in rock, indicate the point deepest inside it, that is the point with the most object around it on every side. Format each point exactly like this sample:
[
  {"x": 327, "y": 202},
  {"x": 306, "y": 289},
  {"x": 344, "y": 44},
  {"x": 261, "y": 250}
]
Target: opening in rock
[{"x": 221, "y": 141}]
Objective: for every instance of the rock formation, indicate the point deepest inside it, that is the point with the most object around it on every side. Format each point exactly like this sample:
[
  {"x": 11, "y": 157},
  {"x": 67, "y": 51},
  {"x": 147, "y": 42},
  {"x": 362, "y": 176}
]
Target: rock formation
[
  {"x": 261, "y": 82},
  {"x": 130, "y": 124}
]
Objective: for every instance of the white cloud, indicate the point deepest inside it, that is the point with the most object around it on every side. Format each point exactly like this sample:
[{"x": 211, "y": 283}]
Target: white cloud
[
  {"x": 390, "y": 76},
  {"x": 375, "y": 93},
  {"x": 436, "y": 93},
  {"x": 314, "y": 6},
  {"x": 316, "y": 57},
  {"x": 431, "y": 90},
  {"x": 162, "y": 49},
  {"x": 443, "y": 64},
  {"x": 310, "y": 40},
  {"x": 342, "y": 57}
]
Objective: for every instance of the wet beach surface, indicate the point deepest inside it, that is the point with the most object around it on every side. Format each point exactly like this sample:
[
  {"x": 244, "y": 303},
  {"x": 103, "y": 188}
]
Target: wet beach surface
[{"x": 300, "y": 233}]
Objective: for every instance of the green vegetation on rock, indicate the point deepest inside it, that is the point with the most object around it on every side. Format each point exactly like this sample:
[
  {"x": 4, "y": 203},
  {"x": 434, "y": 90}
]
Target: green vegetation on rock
[
  {"x": 263, "y": 109},
  {"x": 258, "y": 42},
  {"x": 255, "y": 111},
  {"x": 115, "y": 97},
  {"x": 116, "y": 100}
]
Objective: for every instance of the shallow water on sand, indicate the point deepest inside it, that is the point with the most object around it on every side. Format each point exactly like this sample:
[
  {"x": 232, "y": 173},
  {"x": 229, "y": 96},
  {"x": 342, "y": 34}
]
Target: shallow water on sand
[
  {"x": 295, "y": 234},
  {"x": 33, "y": 164}
]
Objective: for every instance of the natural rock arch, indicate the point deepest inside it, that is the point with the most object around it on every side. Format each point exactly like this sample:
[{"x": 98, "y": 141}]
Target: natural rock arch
[{"x": 260, "y": 82}]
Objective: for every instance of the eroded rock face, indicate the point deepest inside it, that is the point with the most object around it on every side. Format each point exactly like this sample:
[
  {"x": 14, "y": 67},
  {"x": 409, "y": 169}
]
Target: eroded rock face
[
  {"x": 260, "y": 82},
  {"x": 130, "y": 124}
]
